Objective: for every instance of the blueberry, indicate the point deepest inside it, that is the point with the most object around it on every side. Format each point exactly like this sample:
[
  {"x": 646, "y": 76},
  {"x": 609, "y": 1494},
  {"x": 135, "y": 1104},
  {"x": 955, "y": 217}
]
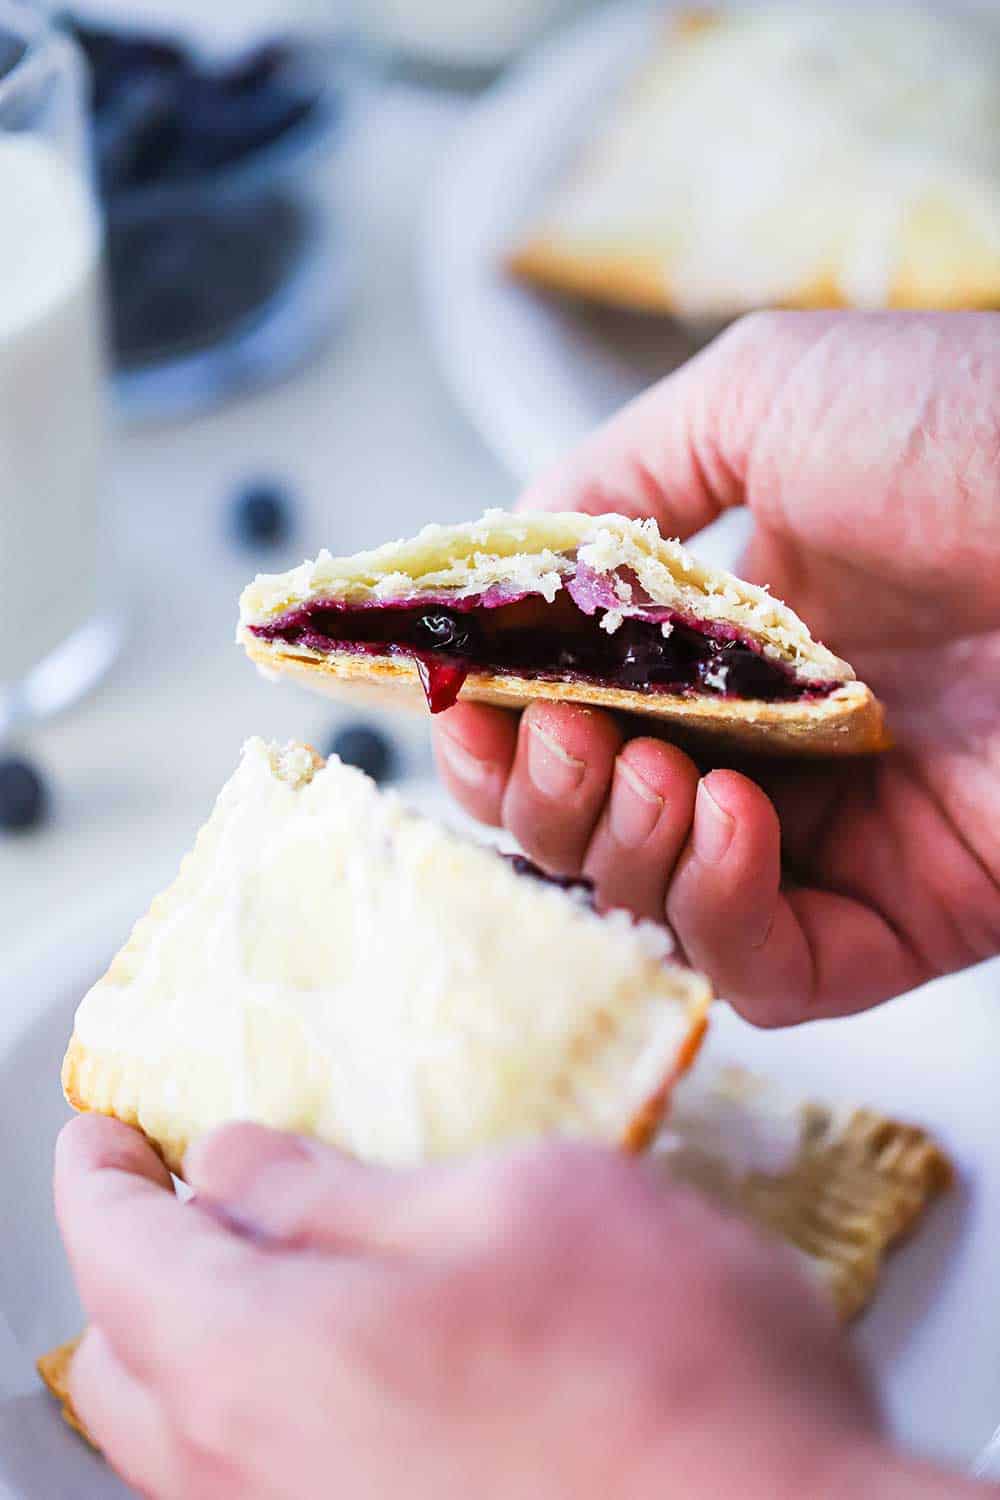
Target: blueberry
[
  {"x": 262, "y": 514},
  {"x": 364, "y": 746},
  {"x": 738, "y": 672},
  {"x": 577, "y": 885},
  {"x": 22, "y": 795},
  {"x": 443, "y": 631}
]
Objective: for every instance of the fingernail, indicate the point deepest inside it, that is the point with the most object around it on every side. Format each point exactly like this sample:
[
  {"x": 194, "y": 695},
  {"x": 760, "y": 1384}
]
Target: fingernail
[
  {"x": 634, "y": 809},
  {"x": 553, "y": 772},
  {"x": 713, "y": 828},
  {"x": 462, "y": 764}
]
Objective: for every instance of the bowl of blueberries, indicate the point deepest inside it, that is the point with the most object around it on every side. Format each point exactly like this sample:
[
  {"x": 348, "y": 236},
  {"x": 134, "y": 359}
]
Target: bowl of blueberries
[{"x": 217, "y": 172}]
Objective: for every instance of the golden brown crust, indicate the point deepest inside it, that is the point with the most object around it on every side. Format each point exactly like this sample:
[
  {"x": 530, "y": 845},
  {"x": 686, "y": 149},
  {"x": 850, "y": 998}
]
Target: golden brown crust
[
  {"x": 850, "y": 721},
  {"x": 639, "y": 283},
  {"x": 852, "y": 1199},
  {"x": 619, "y": 278},
  {"x": 642, "y": 1130},
  {"x": 54, "y": 1369}
]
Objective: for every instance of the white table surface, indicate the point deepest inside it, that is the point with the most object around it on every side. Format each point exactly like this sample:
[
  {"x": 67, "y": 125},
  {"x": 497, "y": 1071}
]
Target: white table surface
[{"x": 372, "y": 445}]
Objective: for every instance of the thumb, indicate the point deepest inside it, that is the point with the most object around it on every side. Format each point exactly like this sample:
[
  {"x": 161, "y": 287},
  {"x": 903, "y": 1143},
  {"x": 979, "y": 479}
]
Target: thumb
[
  {"x": 283, "y": 1188},
  {"x": 681, "y": 451}
]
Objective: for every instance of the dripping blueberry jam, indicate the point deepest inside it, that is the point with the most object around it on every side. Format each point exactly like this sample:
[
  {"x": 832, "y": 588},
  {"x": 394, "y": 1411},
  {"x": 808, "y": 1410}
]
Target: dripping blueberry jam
[{"x": 528, "y": 637}]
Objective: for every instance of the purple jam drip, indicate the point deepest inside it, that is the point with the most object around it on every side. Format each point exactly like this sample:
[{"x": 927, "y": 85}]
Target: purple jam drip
[
  {"x": 528, "y": 637},
  {"x": 573, "y": 883},
  {"x": 442, "y": 679}
]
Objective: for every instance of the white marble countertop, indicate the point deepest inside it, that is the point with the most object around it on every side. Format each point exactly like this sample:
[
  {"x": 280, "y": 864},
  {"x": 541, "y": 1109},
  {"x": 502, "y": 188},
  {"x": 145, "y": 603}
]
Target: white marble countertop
[{"x": 372, "y": 446}]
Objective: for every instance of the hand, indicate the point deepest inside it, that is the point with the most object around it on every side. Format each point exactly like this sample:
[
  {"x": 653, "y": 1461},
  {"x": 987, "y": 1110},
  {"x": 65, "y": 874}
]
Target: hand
[
  {"x": 867, "y": 449},
  {"x": 548, "y": 1325}
]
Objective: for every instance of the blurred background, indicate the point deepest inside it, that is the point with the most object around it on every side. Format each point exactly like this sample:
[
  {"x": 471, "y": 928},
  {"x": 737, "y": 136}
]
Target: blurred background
[{"x": 257, "y": 299}]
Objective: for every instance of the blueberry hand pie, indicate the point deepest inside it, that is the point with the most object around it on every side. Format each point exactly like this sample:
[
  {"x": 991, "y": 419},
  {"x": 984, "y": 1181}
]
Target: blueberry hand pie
[
  {"x": 792, "y": 155},
  {"x": 599, "y": 610},
  {"x": 328, "y": 963}
]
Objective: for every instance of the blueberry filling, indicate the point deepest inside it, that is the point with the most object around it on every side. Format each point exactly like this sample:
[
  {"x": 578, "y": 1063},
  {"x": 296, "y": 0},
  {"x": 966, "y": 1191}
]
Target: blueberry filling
[
  {"x": 577, "y": 885},
  {"x": 529, "y": 637}
]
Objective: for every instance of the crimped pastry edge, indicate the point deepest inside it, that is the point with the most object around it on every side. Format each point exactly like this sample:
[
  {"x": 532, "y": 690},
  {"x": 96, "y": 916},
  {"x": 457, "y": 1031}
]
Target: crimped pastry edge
[{"x": 859, "y": 1186}]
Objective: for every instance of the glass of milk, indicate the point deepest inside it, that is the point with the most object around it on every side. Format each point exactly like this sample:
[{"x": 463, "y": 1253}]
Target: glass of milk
[{"x": 56, "y": 635}]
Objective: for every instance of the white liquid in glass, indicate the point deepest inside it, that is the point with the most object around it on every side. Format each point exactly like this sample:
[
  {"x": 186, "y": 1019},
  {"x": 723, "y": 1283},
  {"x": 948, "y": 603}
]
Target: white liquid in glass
[{"x": 52, "y": 404}]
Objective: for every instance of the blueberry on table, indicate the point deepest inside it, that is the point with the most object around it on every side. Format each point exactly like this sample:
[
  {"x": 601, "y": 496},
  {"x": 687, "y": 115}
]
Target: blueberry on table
[
  {"x": 366, "y": 747},
  {"x": 262, "y": 515},
  {"x": 22, "y": 795}
]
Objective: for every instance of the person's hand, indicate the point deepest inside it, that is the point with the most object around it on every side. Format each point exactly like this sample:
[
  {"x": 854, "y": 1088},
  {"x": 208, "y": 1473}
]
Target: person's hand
[
  {"x": 867, "y": 449},
  {"x": 552, "y": 1325}
]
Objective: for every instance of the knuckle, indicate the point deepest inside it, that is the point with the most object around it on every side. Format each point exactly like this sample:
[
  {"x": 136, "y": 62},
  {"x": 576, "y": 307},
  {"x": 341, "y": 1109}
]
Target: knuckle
[
  {"x": 758, "y": 327},
  {"x": 211, "y": 1401}
]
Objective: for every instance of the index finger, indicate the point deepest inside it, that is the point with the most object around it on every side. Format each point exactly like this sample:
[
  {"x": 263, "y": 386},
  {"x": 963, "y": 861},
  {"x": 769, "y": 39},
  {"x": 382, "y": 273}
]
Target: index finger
[{"x": 138, "y": 1253}]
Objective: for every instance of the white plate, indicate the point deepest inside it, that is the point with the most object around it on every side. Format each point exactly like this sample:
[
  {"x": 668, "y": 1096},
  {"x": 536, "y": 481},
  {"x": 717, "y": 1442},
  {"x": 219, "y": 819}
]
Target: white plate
[
  {"x": 532, "y": 373},
  {"x": 932, "y": 1337}
]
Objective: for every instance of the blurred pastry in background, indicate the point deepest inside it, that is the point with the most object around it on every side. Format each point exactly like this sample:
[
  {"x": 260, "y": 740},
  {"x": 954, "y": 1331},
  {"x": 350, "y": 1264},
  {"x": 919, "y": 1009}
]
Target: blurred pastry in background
[{"x": 794, "y": 155}]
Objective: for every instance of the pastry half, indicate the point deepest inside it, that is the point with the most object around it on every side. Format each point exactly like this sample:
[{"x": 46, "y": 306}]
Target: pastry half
[
  {"x": 329, "y": 963},
  {"x": 599, "y": 610},
  {"x": 843, "y": 1186},
  {"x": 792, "y": 155}
]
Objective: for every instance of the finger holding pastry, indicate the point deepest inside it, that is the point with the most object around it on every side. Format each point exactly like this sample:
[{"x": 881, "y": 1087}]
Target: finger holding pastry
[{"x": 448, "y": 1326}]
